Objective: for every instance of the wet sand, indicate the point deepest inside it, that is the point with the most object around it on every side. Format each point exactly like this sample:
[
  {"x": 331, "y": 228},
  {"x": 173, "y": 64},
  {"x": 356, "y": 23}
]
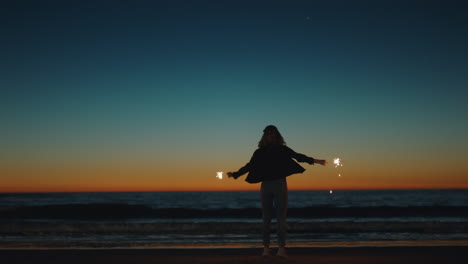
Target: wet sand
[{"x": 374, "y": 255}]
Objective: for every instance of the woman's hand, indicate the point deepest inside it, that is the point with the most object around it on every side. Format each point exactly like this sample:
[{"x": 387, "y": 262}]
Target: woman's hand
[
  {"x": 230, "y": 175},
  {"x": 321, "y": 162}
]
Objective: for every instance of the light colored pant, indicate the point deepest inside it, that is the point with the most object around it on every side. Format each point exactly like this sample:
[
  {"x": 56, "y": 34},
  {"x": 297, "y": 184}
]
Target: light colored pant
[{"x": 274, "y": 194}]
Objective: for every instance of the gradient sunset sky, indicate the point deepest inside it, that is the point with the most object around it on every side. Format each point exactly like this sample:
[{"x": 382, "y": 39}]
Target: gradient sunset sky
[{"x": 160, "y": 95}]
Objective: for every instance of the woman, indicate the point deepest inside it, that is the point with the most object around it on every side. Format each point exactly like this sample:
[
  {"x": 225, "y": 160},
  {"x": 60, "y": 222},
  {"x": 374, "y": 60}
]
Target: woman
[{"x": 270, "y": 164}]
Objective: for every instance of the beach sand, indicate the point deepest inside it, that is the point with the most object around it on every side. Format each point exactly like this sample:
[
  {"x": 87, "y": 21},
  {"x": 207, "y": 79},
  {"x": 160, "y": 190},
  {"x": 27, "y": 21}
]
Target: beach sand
[{"x": 349, "y": 255}]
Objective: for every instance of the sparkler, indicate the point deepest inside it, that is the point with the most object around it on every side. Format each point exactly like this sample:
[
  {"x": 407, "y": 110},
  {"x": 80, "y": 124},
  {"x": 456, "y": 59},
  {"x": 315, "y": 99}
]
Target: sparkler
[
  {"x": 219, "y": 175},
  {"x": 338, "y": 162}
]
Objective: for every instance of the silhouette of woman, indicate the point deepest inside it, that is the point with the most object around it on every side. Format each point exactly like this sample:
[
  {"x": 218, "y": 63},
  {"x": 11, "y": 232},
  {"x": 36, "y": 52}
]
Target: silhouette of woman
[{"x": 270, "y": 164}]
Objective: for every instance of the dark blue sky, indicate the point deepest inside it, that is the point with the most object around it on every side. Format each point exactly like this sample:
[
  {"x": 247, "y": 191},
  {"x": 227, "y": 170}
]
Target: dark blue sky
[{"x": 171, "y": 80}]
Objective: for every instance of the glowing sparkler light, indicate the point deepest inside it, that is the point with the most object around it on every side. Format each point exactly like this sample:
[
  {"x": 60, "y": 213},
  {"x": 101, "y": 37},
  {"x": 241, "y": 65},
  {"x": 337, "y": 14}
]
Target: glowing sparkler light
[
  {"x": 338, "y": 162},
  {"x": 219, "y": 175},
  {"x": 331, "y": 191}
]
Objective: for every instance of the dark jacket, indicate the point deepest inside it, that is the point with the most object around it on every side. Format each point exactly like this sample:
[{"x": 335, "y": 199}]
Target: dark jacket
[{"x": 272, "y": 162}]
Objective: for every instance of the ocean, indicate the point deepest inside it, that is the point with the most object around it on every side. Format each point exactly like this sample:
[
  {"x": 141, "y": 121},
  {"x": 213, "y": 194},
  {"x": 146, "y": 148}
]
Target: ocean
[{"x": 191, "y": 219}]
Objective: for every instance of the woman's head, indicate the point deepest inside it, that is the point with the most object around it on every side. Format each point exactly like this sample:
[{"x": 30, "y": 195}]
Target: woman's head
[{"x": 271, "y": 136}]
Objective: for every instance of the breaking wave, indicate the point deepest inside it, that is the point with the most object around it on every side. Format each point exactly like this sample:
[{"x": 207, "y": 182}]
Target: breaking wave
[
  {"x": 97, "y": 211},
  {"x": 39, "y": 228}
]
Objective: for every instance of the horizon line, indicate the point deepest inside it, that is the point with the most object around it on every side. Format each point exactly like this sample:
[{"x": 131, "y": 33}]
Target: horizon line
[{"x": 233, "y": 190}]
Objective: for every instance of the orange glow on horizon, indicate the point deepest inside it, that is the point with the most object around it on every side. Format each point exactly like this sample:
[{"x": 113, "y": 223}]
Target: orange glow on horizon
[
  {"x": 245, "y": 187},
  {"x": 150, "y": 178}
]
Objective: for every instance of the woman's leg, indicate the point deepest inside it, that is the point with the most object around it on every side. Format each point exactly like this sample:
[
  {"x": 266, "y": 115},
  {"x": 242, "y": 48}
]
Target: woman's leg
[
  {"x": 267, "y": 211},
  {"x": 281, "y": 202}
]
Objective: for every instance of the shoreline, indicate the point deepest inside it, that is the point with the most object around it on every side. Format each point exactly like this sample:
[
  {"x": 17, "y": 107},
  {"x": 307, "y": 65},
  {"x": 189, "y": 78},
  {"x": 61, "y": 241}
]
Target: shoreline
[
  {"x": 242, "y": 245},
  {"x": 298, "y": 255}
]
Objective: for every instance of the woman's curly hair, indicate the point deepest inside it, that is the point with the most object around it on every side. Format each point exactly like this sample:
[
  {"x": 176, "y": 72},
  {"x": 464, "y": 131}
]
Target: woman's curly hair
[{"x": 271, "y": 136}]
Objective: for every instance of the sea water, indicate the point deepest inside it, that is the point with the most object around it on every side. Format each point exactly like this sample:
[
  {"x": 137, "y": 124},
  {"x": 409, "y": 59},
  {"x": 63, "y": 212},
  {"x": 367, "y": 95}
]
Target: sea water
[{"x": 187, "y": 218}]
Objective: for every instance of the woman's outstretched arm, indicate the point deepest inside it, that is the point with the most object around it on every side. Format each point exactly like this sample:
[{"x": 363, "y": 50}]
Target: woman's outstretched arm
[
  {"x": 303, "y": 158},
  {"x": 240, "y": 172}
]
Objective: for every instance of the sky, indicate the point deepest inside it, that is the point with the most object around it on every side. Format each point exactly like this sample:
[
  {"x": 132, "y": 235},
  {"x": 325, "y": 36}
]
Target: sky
[{"x": 161, "y": 95}]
